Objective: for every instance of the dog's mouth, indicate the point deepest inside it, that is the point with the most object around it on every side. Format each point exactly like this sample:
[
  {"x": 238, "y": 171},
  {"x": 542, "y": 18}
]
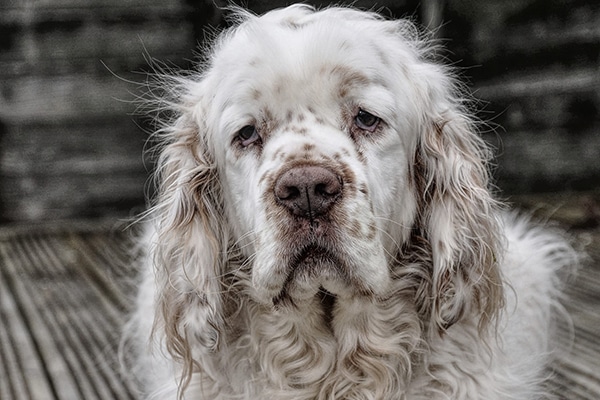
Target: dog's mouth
[
  {"x": 304, "y": 267},
  {"x": 313, "y": 271},
  {"x": 313, "y": 260}
]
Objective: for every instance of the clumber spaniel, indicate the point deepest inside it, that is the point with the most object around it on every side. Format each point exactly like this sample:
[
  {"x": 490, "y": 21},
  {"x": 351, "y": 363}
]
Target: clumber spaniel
[{"x": 323, "y": 227}]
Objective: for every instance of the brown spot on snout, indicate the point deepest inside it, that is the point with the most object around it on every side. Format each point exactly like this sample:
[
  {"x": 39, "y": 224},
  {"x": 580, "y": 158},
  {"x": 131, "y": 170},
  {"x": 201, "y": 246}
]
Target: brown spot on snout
[{"x": 308, "y": 147}]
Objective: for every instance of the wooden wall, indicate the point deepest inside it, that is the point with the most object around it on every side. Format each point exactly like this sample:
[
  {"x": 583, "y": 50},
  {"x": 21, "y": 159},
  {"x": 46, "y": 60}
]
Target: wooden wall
[
  {"x": 70, "y": 146},
  {"x": 535, "y": 65}
]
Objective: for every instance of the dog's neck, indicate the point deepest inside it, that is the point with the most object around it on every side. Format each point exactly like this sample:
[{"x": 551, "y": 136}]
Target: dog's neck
[{"x": 327, "y": 345}]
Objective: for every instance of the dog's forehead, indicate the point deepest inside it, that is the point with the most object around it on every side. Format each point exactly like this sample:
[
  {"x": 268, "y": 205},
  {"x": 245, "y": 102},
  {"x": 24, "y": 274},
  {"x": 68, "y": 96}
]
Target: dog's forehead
[{"x": 299, "y": 64}]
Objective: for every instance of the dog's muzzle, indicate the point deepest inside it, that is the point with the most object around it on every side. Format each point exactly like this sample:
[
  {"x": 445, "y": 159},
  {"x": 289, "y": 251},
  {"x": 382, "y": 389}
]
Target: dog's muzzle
[{"x": 308, "y": 191}]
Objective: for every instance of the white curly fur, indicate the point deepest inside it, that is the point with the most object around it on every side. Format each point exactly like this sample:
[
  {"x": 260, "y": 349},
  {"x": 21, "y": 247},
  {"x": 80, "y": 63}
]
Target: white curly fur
[{"x": 412, "y": 286}]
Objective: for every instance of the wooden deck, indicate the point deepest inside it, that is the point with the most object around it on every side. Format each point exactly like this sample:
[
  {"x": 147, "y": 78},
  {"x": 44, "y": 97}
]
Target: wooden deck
[
  {"x": 63, "y": 297},
  {"x": 65, "y": 288}
]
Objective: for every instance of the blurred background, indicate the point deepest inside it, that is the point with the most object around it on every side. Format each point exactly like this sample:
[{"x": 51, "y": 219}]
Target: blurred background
[{"x": 71, "y": 145}]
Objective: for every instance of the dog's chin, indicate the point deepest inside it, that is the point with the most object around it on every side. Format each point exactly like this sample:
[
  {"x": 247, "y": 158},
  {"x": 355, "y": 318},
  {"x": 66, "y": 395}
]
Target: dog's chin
[{"x": 316, "y": 272}]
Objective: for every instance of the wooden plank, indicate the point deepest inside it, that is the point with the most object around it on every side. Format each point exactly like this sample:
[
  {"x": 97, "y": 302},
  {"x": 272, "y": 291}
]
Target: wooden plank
[
  {"x": 111, "y": 145},
  {"x": 55, "y": 171},
  {"x": 555, "y": 159},
  {"x": 52, "y": 352},
  {"x": 86, "y": 4},
  {"x": 539, "y": 84},
  {"x": 19, "y": 359},
  {"x": 91, "y": 329},
  {"x": 109, "y": 264},
  {"x": 65, "y": 98},
  {"x": 74, "y": 310},
  {"x": 63, "y": 53},
  {"x": 57, "y": 39},
  {"x": 39, "y": 197}
]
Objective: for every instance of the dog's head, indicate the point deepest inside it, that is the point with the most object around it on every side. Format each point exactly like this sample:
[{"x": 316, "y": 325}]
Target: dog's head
[{"x": 328, "y": 152}]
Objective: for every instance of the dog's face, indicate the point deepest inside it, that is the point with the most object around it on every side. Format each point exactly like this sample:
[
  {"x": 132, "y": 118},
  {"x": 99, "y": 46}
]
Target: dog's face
[
  {"x": 328, "y": 150},
  {"x": 314, "y": 146}
]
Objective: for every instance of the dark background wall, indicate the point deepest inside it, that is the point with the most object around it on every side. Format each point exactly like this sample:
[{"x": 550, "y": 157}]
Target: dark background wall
[{"x": 70, "y": 145}]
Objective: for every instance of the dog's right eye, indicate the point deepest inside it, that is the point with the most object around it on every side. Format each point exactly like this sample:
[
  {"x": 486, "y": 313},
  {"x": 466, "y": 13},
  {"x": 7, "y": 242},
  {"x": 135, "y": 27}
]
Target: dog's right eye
[
  {"x": 366, "y": 121},
  {"x": 248, "y": 135}
]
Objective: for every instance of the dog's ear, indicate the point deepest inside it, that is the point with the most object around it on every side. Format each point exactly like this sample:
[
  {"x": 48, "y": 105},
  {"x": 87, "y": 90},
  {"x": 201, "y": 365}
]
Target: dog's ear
[
  {"x": 189, "y": 244},
  {"x": 457, "y": 214}
]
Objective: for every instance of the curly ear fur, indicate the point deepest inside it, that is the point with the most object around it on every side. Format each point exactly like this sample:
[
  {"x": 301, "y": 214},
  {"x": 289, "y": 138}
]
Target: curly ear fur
[
  {"x": 457, "y": 220},
  {"x": 456, "y": 233},
  {"x": 189, "y": 245}
]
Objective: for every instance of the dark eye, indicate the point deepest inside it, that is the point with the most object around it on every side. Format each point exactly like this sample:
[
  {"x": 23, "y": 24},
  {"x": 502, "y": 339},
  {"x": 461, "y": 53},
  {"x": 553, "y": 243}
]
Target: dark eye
[
  {"x": 366, "y": 121},
  {"x": 248, "y": 135}
]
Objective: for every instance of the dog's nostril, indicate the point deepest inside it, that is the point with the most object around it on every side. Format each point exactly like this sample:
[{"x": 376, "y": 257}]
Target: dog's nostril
[
  {"x": 332, "y": 187},
  {"x": 288, "y": 193},
  {"x": 308, "y": 190}
]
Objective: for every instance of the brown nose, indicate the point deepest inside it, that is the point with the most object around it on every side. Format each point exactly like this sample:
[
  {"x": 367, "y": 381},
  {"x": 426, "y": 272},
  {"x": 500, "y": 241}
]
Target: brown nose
[{"x": 308, "y": 191}]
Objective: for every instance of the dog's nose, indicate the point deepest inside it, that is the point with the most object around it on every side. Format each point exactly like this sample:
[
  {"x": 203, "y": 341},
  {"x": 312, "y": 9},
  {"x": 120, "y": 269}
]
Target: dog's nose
[{"x": 308, "y": 191}]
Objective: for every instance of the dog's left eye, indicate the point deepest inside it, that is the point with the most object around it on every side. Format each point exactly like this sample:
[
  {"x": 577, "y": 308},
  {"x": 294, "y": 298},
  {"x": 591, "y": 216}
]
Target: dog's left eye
[
  {"x": 366, "y": 121},
  {"x": 248, "y": 135}
]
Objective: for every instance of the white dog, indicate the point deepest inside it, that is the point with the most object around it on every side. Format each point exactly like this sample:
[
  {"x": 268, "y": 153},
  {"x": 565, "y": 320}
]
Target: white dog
[{"x": 324, "y": 229}]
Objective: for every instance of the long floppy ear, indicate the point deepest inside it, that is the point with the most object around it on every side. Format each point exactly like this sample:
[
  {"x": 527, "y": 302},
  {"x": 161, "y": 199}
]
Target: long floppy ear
[
  {"x": 457, "y": 213},
  {"x": 190, "y": 243}
]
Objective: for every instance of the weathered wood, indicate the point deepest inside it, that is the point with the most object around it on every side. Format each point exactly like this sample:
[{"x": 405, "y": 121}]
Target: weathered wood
[
  {"x": 65, "y": 309},
  {"x": 71, "y": 71}
]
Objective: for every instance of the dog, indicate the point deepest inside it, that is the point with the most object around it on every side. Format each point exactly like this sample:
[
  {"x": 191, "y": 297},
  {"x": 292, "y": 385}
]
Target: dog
[{"x": 324, "y": 226}]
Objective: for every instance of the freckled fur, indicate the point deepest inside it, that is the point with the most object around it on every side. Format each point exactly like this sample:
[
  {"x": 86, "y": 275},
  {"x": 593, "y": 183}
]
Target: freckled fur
[{"x": 415, "y": 285}]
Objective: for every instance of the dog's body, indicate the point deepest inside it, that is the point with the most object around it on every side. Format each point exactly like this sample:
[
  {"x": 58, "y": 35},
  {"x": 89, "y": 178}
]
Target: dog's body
[{"x": 324, "y": 229}]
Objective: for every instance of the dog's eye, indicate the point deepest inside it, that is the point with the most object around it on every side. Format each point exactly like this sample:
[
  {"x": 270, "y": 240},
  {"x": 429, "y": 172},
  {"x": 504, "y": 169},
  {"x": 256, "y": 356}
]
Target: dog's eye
[
  {"x": 366, "y": 121},
  {"x": 248, "y": 135}
]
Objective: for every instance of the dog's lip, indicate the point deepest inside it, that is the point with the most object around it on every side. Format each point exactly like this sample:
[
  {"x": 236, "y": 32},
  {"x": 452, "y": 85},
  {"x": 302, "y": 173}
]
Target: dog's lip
[
  {"x": 310, "y": 261},
  {"x": 311, "y": 256}
]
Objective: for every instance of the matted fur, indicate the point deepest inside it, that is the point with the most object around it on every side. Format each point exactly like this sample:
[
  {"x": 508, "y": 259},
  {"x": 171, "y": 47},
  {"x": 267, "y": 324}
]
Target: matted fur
[{"x": 411, "y": 285}]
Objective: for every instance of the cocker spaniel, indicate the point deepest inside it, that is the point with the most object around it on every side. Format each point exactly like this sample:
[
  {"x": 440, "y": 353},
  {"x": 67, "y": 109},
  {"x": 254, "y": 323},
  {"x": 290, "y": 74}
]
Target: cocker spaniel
[{"x": 323, "y": 227}]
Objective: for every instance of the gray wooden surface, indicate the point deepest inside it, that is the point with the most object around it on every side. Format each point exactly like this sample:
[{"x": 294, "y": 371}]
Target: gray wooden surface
[
  {"x": 63, "y": 295},
  {"x": 65, "y": 288}
]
